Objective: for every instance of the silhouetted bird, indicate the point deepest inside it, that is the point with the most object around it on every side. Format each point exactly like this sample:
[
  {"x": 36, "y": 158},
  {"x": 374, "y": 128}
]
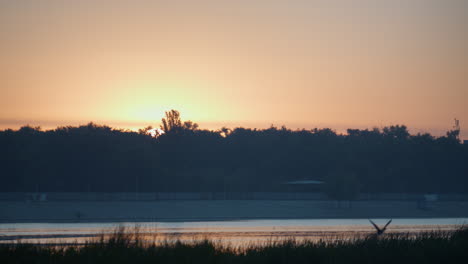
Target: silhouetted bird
[{"x": 380, "y": 231}]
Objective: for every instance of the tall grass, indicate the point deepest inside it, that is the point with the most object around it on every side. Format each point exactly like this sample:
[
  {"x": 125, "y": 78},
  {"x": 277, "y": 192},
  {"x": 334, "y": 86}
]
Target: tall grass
[{"x": 129, "y": 247}]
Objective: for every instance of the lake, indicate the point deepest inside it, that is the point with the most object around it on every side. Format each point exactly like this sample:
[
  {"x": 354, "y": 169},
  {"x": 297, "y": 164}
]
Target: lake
[{"x": 229, "y": 232}]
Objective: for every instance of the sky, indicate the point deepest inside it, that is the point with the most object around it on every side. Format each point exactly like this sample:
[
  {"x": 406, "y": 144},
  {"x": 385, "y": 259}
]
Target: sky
[{"x": 303, "y": 64}]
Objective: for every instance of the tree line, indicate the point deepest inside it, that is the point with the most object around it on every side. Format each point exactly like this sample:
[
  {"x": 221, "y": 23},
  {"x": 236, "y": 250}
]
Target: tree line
[{"x": 182, "y": 157}]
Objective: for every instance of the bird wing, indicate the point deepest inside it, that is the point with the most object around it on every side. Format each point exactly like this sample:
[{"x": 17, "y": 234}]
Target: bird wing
[
  {"x": 385, "y": 227},
  {"x": 376, "y": 227}
]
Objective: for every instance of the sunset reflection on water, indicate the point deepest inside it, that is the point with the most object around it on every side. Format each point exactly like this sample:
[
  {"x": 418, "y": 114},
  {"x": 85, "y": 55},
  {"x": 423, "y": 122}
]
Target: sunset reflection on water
[{"x": 225, "y": 232}]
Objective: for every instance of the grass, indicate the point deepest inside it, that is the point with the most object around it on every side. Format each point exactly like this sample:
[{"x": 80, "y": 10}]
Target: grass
[{"x": 129, "y": 247}]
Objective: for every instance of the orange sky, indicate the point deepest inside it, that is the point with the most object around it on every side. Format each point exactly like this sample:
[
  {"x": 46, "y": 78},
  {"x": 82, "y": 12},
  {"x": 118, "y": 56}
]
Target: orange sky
[{"x": 252, "y": 63}]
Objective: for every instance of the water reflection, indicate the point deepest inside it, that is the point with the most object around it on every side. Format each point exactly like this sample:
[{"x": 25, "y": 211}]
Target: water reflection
[{"x": 227, "y": 232}]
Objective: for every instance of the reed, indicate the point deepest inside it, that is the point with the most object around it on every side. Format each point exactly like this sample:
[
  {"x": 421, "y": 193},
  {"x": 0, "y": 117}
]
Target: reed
[{"x": 128, "y": 247}]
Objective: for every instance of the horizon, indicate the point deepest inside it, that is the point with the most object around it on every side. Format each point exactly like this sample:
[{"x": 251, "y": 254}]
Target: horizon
[{"x": 134, "y": 126}]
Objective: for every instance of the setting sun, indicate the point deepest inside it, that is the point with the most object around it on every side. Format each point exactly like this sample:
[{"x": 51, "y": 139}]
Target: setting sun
[{"x": 310, "y": 64}]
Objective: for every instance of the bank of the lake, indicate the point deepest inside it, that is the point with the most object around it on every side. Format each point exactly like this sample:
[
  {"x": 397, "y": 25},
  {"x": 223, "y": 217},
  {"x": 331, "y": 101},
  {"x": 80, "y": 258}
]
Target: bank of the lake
[{"x": 205, "y": 210}]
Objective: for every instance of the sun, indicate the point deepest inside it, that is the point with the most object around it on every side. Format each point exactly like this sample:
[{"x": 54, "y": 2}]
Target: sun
[{"x": 155, "y": 132}]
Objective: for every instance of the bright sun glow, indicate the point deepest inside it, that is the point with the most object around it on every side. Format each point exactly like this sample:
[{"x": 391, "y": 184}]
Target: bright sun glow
[
  {"x": 155, "y": 132},
  {"x": 147, "y": 101}
]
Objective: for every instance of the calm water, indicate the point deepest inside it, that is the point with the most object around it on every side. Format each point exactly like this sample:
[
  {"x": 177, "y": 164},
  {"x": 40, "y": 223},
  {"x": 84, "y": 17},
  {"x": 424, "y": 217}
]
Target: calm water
[{"x": 224, "y": 231}]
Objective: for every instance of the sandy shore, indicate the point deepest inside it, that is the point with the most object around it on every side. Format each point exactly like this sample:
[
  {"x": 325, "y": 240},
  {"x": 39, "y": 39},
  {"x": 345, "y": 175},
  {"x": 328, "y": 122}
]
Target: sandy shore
[{"x": 16, "y": 212}]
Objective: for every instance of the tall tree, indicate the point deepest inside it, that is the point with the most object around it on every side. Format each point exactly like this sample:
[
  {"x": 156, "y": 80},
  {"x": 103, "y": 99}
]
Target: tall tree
[{"x": 172, "y": 123}]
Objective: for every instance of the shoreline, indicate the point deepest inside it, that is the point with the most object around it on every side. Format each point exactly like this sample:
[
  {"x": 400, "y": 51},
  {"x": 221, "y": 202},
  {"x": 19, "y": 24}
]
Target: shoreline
[
  {"x": 193, "y": 220},
  {"x": 219, "y": 210}
]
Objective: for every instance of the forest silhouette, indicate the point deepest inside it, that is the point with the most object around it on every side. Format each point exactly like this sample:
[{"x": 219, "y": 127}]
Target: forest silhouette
[{"x": 182, "y": 157}]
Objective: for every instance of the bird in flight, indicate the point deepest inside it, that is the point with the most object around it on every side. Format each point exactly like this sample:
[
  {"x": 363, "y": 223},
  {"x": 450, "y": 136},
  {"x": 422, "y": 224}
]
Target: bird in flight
[{"x": 380, "y": 231}]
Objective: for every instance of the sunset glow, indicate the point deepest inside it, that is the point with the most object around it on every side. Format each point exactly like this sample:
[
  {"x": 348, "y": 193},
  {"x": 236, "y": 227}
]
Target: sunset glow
[{"x": 235, "y": 63}]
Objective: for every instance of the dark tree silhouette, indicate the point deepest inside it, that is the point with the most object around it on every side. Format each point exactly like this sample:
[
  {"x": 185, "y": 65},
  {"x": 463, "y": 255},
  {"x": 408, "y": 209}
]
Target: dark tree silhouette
[{"x": 185, "y": 158}]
